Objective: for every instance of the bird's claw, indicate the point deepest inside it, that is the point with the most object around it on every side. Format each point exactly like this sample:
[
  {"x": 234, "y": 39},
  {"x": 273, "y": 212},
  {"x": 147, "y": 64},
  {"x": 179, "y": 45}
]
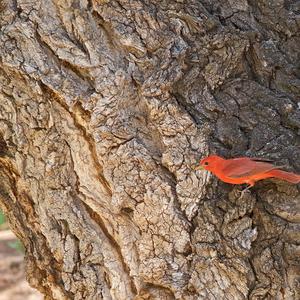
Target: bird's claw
[{"x": 244, "y": 191}]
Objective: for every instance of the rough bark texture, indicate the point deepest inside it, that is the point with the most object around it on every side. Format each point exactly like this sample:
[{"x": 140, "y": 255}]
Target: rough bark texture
[{"x": 104, "y": 107}]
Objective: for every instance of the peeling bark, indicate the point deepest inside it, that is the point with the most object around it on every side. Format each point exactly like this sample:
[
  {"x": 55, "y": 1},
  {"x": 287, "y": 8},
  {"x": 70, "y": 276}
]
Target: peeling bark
[{"x": 106, "y": 105}]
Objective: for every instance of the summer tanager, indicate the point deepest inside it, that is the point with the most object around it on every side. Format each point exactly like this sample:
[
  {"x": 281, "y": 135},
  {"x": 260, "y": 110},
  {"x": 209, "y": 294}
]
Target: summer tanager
[{"x": 244, "y": 170}]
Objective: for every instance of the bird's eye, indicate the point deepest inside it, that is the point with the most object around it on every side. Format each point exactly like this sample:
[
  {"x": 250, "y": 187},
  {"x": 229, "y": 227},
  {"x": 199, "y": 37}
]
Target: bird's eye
[{"x": 206, "y": 163}]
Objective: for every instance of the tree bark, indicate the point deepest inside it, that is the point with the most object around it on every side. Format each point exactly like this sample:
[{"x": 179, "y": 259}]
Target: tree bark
[{"x": 106, "y": 105}]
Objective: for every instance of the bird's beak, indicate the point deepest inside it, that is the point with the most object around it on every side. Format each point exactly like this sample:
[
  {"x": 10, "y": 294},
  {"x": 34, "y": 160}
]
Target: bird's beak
[{"x": 199, "y": 167}]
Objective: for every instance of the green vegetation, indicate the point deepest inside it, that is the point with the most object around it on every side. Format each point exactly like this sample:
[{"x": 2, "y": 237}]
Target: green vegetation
[
  {"x": 16, "y": 244},
  {"x": 3, "y": 224}
]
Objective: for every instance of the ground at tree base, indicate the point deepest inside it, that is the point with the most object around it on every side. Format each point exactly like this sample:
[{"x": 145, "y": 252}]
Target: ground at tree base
[{"x": 13, "y": 285}]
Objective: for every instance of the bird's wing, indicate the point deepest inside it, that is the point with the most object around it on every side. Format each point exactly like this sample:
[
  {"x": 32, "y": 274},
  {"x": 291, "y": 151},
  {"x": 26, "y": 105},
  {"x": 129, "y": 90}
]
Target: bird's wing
[
  {"x": 243, "y": 167},
  {"x": 261, "y": 159}
]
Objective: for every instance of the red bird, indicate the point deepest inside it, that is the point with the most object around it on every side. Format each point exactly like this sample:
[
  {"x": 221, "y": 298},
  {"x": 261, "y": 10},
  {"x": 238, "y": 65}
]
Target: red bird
[{"x": 244, "y": 170}]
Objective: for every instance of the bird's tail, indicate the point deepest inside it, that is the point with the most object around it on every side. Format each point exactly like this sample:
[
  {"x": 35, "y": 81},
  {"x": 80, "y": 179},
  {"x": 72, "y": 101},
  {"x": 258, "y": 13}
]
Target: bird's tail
[{"x": 287, "y": 176}]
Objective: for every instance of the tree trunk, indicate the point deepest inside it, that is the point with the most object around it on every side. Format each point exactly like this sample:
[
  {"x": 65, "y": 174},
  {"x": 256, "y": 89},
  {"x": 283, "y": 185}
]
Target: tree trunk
[{"x": 106, "y": 106}]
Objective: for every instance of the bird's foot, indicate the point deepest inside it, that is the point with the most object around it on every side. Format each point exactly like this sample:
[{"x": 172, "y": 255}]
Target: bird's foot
[{"x": 244, "y": 191}]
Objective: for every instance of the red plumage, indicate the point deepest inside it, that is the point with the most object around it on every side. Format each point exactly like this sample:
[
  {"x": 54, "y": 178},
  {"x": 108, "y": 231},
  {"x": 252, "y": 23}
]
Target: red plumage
[{"x": 245, "y": 170}]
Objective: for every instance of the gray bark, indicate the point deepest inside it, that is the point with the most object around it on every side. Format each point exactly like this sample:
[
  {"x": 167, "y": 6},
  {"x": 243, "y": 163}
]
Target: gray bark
[{"x": 106, "y": 105}]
